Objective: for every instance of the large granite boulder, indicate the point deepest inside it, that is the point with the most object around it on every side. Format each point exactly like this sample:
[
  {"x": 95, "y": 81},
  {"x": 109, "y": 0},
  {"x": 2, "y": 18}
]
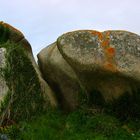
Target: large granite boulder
[
  {"x": 23, "y": 92},
  {"x": 105, "y": 64},
  {"x": 108, "y": 62}
]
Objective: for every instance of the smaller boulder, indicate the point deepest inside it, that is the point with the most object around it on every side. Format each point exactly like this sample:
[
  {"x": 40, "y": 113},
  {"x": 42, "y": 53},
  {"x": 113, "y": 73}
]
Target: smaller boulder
[
  {"x": 23, "y": 92},
  {"x": 60, "y": 76}
]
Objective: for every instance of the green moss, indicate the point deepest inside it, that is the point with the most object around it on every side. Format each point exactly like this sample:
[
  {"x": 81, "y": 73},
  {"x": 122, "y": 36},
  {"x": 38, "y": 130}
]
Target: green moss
[
  {"x": 4, "y": 34},
  {"x": 5, "y": 101},
  {"x": 25, "y": 96}
]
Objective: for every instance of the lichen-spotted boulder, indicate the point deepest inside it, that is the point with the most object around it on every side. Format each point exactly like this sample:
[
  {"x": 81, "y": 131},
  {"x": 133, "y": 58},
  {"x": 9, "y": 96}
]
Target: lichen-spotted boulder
[
  {"x": 23, "y": 92},
  {"x": 106, "y": 66},
  {"x": 108, "y": 62}
]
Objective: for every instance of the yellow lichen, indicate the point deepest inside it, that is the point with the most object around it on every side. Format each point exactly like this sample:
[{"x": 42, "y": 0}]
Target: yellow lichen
[
  {"x": 99, "y": 34},
  {"x": 109, "y": 51}
]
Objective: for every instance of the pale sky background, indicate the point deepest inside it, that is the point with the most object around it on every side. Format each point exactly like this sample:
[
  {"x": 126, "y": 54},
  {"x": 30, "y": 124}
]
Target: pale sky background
[{"x": 42, "y": 21}]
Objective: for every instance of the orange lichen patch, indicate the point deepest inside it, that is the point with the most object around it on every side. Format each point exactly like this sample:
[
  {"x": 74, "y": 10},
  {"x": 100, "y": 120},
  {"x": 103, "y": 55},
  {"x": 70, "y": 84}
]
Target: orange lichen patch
[
  {"x": 104, "y": 39},
  {"x": 111, "y": 51},
  {"x": 99, "y": 34},
  {"x": 105, "y": 43},
  {"x": 108, "y": 33},
  {"x": 110, "y": 67}
]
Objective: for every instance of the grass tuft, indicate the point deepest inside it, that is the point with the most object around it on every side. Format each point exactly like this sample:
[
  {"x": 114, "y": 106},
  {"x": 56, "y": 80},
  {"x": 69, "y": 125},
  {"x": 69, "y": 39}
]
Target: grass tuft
[{"x": 78, "y": 125}]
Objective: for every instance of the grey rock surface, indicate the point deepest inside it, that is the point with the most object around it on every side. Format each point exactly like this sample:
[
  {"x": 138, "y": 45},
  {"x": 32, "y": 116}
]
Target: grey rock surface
[
  {"x": 108, "y": 62},
  {"x": 3, "y": 86}
]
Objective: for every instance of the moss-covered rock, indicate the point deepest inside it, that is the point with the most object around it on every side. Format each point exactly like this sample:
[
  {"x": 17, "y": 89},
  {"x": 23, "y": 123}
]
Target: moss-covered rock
[{"x": 27, "y": 92}]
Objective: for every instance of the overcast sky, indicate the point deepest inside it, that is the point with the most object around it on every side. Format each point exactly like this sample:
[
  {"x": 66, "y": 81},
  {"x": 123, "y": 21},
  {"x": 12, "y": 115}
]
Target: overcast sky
[{"x": 42, "y": 21}]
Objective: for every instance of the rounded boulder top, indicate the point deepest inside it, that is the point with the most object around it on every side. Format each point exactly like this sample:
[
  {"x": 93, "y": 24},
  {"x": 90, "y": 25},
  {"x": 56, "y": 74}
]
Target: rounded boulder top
[
  {"x": 9, "y": 33},
  {"x": 112, "y": 51}
]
